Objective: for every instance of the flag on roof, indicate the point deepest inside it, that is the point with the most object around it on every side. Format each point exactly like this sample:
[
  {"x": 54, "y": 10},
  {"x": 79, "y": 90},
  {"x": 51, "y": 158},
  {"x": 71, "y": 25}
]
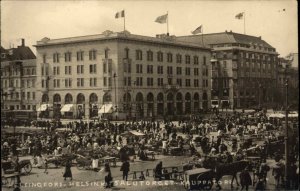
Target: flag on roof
[
  {"x": 239, "y": 16},
  {"x": 120, "y": 14},
  {"x": 197, "y": 30},
  {"x": 162, "y": 19}
]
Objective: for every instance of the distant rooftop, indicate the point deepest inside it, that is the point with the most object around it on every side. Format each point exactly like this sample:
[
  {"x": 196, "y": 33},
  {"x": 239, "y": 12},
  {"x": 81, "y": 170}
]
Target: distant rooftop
[
  {"x": 225, "y": 38},
  {"x": 20, "y": 53},
  {"x": 106, "y": 35}
]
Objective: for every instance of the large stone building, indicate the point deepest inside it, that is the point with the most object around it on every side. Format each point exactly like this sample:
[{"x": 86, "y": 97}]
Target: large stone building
[
  {"x": 123, "y": 73},
  {"x": 18, "y": 78},
  {"x": 243, "y": 69},
  {"x": 287, "y": 71}
]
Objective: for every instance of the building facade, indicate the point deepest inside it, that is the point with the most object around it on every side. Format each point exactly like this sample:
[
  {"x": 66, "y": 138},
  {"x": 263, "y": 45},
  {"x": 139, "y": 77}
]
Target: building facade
[
  {"x": 243, "y": 69},
  {"x": 127, "y": 74},
  {"x": 18, "y": 78},
  {"x": 287, "y": 72}
]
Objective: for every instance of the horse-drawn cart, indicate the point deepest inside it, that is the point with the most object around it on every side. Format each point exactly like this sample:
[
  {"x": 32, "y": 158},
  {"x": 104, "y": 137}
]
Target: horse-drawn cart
[
  {"x": 198, "y": 179},
  {"x": 10, "y": 167}
]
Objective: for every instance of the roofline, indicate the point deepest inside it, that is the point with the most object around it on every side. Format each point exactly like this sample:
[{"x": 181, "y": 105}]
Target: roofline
[
  {"x": 122, "y": 36},
  {"x": 226, "y": 32}
]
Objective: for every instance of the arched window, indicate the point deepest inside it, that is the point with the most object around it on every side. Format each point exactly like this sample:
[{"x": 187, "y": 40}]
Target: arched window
[
  {"x": 80, "y": 98},
  {"x": 150, "y": 97},
  {"x": 68, "y": 99},
  {"x": 93, "y": 98},
  {"x": 56, "y": 98},
  {"x": 45, "y": 98}
]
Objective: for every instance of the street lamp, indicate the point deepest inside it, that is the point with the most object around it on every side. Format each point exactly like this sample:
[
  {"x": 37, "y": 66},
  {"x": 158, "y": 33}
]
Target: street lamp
[
  {"x": 115, "y": 90},
  {"x": 286, "y": 128},
  {"x": 259, "y": 102}
]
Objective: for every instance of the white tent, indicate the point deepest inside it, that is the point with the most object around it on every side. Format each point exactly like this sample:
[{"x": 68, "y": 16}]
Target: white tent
[
  {"x": 44, "y": 107},
  {"x": 106, "y": 108},
  {"x": 276, "y": 115},
  {"x": 67, "y": 108}
]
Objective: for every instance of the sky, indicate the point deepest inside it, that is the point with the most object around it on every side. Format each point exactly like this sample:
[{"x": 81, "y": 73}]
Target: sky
[{"x": 274, "y": 20}]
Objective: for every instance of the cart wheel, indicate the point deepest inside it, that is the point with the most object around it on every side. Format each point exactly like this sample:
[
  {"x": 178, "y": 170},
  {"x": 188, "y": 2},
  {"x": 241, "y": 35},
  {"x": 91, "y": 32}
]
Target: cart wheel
[
  {"x": 27, "y": 168},
  {"x": 9, "y": 182},
  {"x": 80, "y": 166}
]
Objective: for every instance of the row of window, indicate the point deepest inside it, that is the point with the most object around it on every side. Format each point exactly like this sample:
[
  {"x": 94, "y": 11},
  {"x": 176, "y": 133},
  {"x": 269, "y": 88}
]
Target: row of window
[
  {"x": 79, "y": 56},
  {"x": 139, "y": 56},
  {"x": 160, "y": 82},
  {"x": 15, "y": 83},
  {"x": 23, "y": 107},
  {"x": 68, "y": 69},
  {"x": 107, "y": 68},
  {"x": 68, "y": 82},
  {"x": 169, "y": 57},
  {"x": 107, "y": 81},
  {"x": 160, "y": 70},
  {"x": 16, "y": 71},
  {"x": 24, "y": 96}
]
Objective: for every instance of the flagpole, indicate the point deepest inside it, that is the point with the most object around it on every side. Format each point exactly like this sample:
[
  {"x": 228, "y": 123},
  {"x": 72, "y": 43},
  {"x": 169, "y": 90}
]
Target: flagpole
[
  {"x": 167, "y": 23},
  {"x": 244, "y": 22},
  {"x": 202, "y": 36},
  {"x": 124, "y": 19}
]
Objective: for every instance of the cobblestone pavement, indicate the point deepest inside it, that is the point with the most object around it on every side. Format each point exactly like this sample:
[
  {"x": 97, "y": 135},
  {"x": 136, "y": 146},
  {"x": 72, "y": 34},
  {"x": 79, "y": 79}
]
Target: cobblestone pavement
[{"x": 89, "y": 180}]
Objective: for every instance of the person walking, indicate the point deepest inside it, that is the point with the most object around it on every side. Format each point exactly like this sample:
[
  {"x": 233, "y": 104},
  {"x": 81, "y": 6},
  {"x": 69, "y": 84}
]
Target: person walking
[
  {"x": 108, "y": 178},
  {"x": 68, "y": 172},
  {"x": 158, "y": 171},
  {"x": 277, "y": 172},
  {"x": 245, "y": 179},
  {"x": 125, "y": 168}
]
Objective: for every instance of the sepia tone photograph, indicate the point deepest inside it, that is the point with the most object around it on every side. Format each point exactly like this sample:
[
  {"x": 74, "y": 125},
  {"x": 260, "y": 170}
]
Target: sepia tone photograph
[{"x": 149, "y": 95}]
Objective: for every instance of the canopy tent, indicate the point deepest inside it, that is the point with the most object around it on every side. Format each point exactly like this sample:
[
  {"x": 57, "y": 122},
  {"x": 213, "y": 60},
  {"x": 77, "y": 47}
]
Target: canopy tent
[
  {"x": 67, "y": 108},
  {"x": 130, "y": 133},
  {"x": 276, "y": 115},
  {"x": 292, "y": 114},
  {"x": 44, "y": 107},
  {"x": 106, "y": 108}
]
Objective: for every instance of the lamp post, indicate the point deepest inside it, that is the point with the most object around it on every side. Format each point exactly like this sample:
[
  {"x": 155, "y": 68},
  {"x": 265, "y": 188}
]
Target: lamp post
[
  {"x": 259, "y": 102},
  {"x": 286, "y": 134},
  {"x": 115, "y": 89}
]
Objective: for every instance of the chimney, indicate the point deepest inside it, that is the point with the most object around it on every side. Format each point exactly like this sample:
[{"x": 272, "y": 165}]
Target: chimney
[{"x": 23, "y": 42}]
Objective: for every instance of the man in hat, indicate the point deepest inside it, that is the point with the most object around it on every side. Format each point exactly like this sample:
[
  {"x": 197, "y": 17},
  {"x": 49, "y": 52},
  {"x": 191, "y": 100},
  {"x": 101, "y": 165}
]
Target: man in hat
[{"x": 245, "y": 179}]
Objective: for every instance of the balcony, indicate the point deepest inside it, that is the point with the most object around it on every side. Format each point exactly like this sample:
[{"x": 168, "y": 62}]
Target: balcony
[
  {"x": 44, "y": 90},
  {"x": 107, "y": 89},
  {"x": 215, "y": 74},
  {"x": 127, "y": 60},
  {"x": 107, "y": 61},
  {"x": 172, "y": 88},
  {"x": 10, "y": 89}
]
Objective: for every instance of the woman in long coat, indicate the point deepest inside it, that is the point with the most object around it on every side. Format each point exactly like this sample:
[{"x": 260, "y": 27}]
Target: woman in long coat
[{"x": 68, "y": 172}]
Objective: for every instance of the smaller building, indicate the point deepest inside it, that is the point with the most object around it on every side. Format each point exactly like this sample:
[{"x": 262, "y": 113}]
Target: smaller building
[
  {"x": 18, "y": 78},
  {"x": 287, "y": 72}
]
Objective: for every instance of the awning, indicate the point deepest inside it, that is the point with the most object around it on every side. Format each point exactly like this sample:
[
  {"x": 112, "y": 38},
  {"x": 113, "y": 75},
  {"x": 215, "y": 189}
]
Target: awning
[
  {"x": 130, "y": 133},
  {"x": 106, "y": 108},
  {"x": 67, "y": 108},
  {"x": 44, "y": 107},
  {"x": 137, "y": 133},
  {"x": 276, "y": 115},
  {"x": 293, "y": 114}
]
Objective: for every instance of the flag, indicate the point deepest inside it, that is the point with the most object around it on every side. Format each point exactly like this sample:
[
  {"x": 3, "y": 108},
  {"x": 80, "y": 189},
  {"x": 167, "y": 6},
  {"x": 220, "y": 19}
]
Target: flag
[
  {"x": 239, "y": 16},
  {"x": 197, "y": 30},
  {"x": 120, "y": 14},
  {"x": 162, "y": 19}
]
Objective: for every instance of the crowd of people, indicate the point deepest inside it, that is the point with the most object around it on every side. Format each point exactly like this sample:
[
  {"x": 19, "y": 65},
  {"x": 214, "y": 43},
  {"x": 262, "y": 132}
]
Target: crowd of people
[{"x": 221, "y": 137}]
